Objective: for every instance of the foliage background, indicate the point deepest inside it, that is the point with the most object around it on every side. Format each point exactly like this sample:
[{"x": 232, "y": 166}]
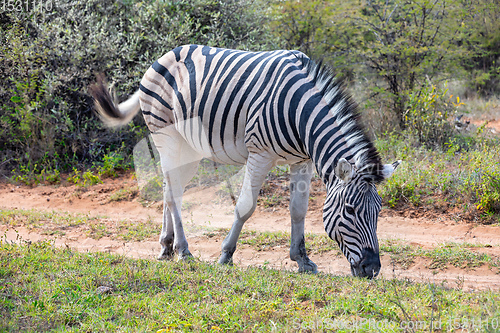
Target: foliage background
[
  {"x": 410, "y": 64},
  {"x": 49, "y": 58}
]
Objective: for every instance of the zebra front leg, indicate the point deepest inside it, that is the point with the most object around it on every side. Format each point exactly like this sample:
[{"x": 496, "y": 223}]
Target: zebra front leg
[
  {"x": 257, "y": 168},
  {"x": 300, "y": 180}
]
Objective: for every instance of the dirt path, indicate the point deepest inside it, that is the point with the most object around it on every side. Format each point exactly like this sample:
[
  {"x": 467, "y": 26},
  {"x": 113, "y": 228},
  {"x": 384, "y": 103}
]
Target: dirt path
[{"x": 203, "y": 210}]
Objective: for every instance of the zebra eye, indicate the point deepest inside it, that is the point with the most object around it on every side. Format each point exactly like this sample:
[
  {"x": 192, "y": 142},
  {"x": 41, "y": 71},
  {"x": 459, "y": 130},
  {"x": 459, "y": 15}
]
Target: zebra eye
[{"x": 349, "y": 210}]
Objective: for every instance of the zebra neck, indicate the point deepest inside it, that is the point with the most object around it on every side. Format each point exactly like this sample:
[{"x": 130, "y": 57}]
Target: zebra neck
[{"x": 330, "y": 137}]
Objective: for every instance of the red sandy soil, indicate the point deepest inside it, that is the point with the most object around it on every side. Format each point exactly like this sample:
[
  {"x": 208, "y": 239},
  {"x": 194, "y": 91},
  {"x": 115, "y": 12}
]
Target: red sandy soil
[{"x": 204, "y": 209}]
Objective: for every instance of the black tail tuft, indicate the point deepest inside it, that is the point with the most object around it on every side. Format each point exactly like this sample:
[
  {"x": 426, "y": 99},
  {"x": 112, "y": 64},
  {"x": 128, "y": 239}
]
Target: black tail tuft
[{"x": 105, "y": 107}]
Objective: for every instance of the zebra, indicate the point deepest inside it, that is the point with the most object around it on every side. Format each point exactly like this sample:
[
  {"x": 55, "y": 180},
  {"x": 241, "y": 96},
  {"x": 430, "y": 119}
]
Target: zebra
[{"x": 259, "y": 109}]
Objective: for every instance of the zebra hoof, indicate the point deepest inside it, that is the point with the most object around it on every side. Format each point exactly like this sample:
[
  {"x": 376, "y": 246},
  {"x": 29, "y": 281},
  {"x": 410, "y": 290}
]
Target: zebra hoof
[
  {"x": 184, "y": 255},
  {"x": 226, "y": 258},
  {"x": 166, "y": 254},
  {"x": 308, "y": 267}
]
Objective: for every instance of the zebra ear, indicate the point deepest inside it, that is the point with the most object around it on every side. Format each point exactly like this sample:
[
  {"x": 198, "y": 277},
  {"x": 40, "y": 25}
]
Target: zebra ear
[
  {"x": 388, "y": 169},
  {"x": 344, "y": 170}
]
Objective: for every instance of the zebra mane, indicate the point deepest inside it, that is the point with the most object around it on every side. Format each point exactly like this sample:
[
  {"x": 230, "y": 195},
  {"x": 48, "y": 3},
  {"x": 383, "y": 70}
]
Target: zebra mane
[{"x": 344, "y": 108}]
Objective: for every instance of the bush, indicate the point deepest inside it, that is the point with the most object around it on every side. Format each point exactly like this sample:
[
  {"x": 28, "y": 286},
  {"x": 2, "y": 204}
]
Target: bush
[
  {"x": 49, "y": 58},
  {"x": 430, "y": 115},
  {"x": 468, "y": 180}
]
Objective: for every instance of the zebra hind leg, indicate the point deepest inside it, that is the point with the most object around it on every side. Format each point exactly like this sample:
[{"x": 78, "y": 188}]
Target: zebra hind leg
[
  {"x": 258, "y": 165},
  {"x": 167, "y": 235},
  {"x": 300, "y": 180},
  {"x": 179, "y": 164}
]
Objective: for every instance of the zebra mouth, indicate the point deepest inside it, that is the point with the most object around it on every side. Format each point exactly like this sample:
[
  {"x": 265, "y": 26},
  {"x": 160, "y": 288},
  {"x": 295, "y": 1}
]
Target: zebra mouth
[
  {"x": 369, "y": 273},
  {"x": 368, "y": 266}
]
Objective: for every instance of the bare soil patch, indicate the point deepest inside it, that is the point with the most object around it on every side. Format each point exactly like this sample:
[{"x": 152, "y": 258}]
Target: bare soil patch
[{"x": 205, "y": 210}]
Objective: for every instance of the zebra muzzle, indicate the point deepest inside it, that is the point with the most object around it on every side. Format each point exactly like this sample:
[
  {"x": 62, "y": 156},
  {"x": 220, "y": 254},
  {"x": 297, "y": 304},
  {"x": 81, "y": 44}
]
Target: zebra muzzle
[{"x": 368, "y": 266}]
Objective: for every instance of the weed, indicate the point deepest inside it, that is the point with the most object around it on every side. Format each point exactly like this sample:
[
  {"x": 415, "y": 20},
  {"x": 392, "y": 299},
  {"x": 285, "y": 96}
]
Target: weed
[
  {"x": 124, "y": 194},
  {"x": 111, "y": 162},
  {"x": 85, "y": 179}
]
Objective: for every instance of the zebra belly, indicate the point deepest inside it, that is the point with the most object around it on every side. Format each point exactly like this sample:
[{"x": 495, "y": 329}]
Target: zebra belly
[{"x": 233, "y": 150}]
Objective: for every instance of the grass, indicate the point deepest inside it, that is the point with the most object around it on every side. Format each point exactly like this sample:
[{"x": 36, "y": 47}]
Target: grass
[
  {"x": 44, "y": 288},
  {"x": 456, "y": 254},
  {"x": 32, "y": 219},
  {"x": 461, "y": 255},
  {"x": 401, "y": 254},
  {"x": 261, "y": 241},
  {"x": 124, "y": 194},
  {"x": 56, "y": 223}
]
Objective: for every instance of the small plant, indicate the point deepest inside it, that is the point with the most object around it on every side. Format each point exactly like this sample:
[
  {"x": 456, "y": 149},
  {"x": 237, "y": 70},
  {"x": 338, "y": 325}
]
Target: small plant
[
  {"x": 32, "y": 175},
  {"x": 74, "y": 177},
  {"x": 124, "y": 194},
  {"x": 456, "y": 255},
  {"x": 85, "y": 179},
  {"x": 429, "y": 114},
  {"x": 111, "y": 162},
  {"x": 152, "y": 190},
  {"x": 90, "y": 179}
]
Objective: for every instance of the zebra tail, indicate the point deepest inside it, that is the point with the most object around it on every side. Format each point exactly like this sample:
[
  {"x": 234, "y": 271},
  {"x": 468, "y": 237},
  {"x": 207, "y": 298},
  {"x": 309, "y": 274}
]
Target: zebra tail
[{"x": 107, "y": 108}]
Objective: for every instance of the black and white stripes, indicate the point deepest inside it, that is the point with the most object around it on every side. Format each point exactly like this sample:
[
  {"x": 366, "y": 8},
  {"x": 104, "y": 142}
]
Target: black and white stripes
[
  {"x": 281, "y": 101},
  {"x": 277, "y": 107}
]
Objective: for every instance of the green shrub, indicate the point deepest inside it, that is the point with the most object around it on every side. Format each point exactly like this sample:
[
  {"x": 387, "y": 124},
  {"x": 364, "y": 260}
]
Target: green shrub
[
  {"x": 468, "y": 179},
  {"x": 48, "y": 58},
  {"x": 429, "y": 115},
  {"x": 483, "y": 181},
  {"x": 111, "y": 163}
]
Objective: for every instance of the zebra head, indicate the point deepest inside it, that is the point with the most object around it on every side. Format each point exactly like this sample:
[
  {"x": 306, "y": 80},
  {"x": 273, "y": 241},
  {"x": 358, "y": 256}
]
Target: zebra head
[{"x": 351, "y": 211}]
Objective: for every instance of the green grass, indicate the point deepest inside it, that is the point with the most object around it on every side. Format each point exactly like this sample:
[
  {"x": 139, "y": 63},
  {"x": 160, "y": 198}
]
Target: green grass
[
  {"x": 43, "y": 288},
  {"x": 261, "y": 241},
  {"x": 459, "y": 255},
  {"x": 401, "y": 254},
  {"x": 43, "y": 220},
  {"x": 56, "y": 223},
  {"x": 456, "y": 254}
]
